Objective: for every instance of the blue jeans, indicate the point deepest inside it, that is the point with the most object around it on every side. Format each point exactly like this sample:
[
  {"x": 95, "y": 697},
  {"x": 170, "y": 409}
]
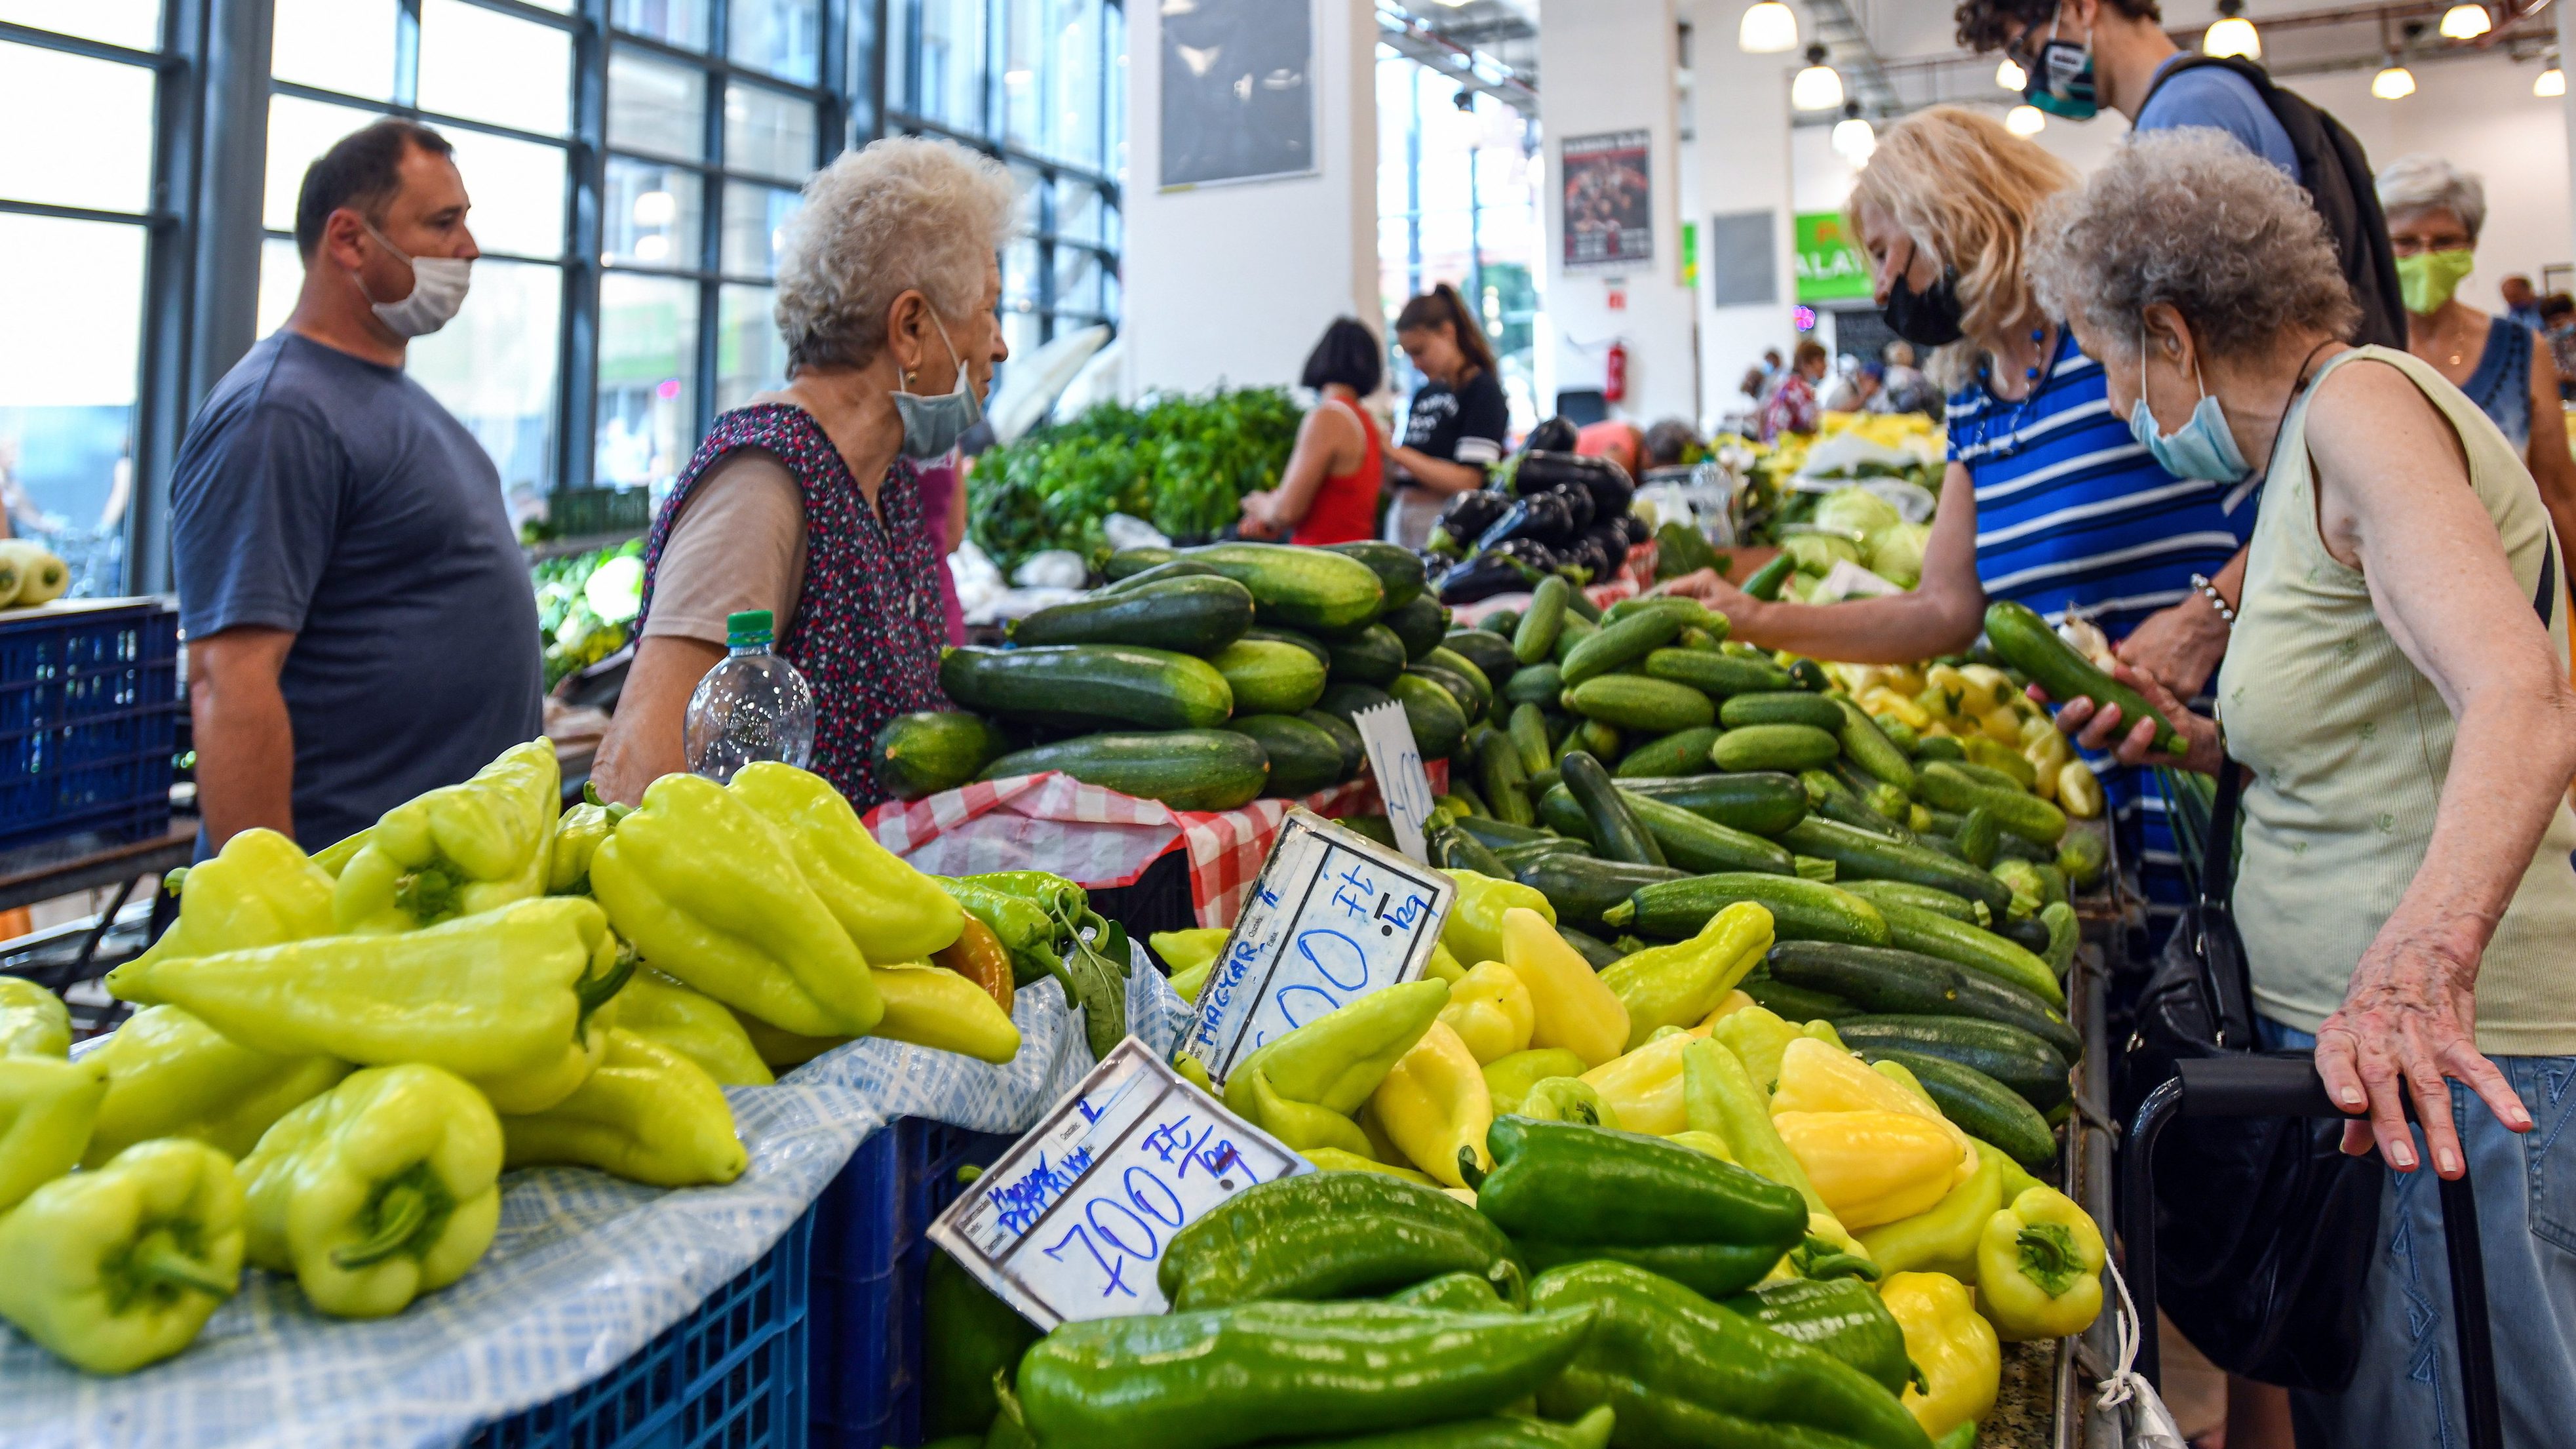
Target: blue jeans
[{"x": 2407, "y": 1390}]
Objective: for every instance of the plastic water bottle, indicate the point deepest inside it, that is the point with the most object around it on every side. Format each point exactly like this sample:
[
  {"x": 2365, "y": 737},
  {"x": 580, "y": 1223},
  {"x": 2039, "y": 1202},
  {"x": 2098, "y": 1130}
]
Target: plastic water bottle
[{"x": 752, "y": 706}]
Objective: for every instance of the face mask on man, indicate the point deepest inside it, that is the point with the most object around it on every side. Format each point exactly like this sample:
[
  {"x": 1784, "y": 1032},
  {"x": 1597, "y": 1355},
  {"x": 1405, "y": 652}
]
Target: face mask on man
[
  {"x": 2062, "y": 82},
  {"x": 1929, "y": 318},
  {"x": 2426, "y": 280},
  {"x": 438, "y": 287},
  {"x": 2201, "y": 447},
  {"x": 932, "y": 425}
]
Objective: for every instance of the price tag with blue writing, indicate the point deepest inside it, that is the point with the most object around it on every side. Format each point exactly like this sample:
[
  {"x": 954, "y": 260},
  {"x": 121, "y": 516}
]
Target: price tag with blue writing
[
  {"x": 1396, "y": 763},
  {"x": 1072, "y": 1222},
  {"x": 1333, "y": 917}
]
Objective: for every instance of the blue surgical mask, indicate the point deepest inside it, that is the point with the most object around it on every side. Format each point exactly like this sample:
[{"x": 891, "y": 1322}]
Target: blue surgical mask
[
  {"x": 2062, "y": 82},
  {"x": 2200, "y": 448},
  {"x": 932, "y": 425}
]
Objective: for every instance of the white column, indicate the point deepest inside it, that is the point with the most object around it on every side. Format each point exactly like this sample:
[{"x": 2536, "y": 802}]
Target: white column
[
  {"x": 1234, "y": 283},
  {"x": 1740, "y": 116},
  {"x": 2567, "y": 107}
]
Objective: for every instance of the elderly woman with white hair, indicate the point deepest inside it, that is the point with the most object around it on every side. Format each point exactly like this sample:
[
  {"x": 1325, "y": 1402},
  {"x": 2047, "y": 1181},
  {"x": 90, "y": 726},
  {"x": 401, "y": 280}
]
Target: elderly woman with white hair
[
  {"x": 804, "y": 501},
  {"x": 2396, "y": 686},
  {"x": 2435, "y": 212}
]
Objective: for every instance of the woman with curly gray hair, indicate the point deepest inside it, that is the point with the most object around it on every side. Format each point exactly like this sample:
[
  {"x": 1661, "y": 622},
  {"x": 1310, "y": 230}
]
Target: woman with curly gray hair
[
  {"x": 2397, "y": 687},
  {"x": 803, "y": 507}
]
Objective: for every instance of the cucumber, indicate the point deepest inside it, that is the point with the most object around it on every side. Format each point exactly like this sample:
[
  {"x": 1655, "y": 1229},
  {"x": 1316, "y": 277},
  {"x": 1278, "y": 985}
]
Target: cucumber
[
  {"x": 1696, "y": 844},
  {"x": 1781, "y": 707},
  {"x": 1088, "y": 686},
  {"x": 1126, "y": 563},
  {"x": 1528, "y": 730},
  {"x": 1189, "y": 615},
  {"x": 1859, "y": 854},
  {"x": 1678, "y": 753},
  {"x": 1694, "y": 614},
  {"x": 1939, "y": 747},
  {"x": 1375, "y": 827},
  {"x": 1906, "y": 893},
  {"x": 1372, "y": 656},
  {"x": 1774, "y": 747},
  {"x": 1582, "y": 887},
  {"x": 1717, "y": 674},
  {"x": 1616, "y": 832},
  {"x": 1451, "y": 848},
  {"x": 1915, "y": 929},
  {"x": 1977, "y": 838},
  {"x": 1600, "y": 955},
  {"x": 1989, "y": 776},
  {"x": 1299, "y": 588},
  {"x": 1354, "y": 753},
  {"x": 2082, "y": 855},
  {"x": 1541, "y": 621},
  {"x": 1982, "y": 1107},
  {"x": 1499, "y": 775},
  {"x": 1872, "y": 791},
  {"x": 1179, "y": 568},
  {"x": 2028, "y": 932},
  {"x": 1868, "y": 746},
  {"x": 1558, "y": 812},
  {"x": 1185, "y": 769},
  {"x": 1490, "y": 653},
  {"x": 1580, "y": 605},
  {"x": 1766, "y": 581},
  {"x": 1307, "y": 642},
  {"x": 1303, "y": 758},
  {"x": 1829, "y": 797},
  {"x": 1342, "y": 701},
  {"x": 1516, "y": 856},
  {"x": 1761, "y": 802},
  {"x": 1946, "y": 786},
  {"x": 1631, "y": 638},
  {"x": 2008, "y": 1054},
  {"x": 1576, "y": 630},
  {"x": 1888, "y": 981},
  {"x": 1501, "y": 835},
  {"x": 1595, "y": 737},
  {"x": 1467, "y": 669},
  {"x": 1654, "y": 706},
  {"x": 1269, "y": 677},
  {"x": 1438, "y": 724},
  {"x": 1537, "y": 684},
  {"x": 1399, "y": 569},
  {"x": 1796, "y": 1003},
  {"x": 1808, "y": 675},
  {"x": 1420, "y": 624},
  {"x": 2023, "y": 640},
  {"x": 933, "y": 750},
  {"x": 1801, "y": 910}
]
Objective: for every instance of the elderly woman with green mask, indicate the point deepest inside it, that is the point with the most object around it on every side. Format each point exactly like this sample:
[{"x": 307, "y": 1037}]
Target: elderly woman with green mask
[{"x": 2435, "y": 211}]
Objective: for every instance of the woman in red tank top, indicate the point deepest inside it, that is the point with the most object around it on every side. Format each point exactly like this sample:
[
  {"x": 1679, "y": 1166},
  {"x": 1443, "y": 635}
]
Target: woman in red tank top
[{"x": 1328, "y": 492}]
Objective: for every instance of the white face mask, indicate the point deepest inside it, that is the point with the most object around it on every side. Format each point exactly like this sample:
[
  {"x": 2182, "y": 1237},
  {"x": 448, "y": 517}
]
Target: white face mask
[{"x": 438, "y": 286}]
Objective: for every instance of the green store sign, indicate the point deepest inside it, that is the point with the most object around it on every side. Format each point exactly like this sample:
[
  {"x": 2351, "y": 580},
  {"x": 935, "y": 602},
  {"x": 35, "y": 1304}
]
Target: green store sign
[{"x": 1830, "y": 266}]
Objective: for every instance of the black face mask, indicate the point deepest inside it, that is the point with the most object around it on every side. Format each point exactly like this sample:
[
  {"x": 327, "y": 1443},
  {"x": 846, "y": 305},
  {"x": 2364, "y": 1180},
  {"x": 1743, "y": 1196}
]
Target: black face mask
[{"x": 1929, "y": 318}]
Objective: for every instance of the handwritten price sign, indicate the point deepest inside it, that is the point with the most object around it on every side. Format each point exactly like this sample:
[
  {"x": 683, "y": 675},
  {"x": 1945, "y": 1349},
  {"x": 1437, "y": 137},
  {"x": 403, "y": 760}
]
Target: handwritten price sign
[
  {"x": 1401, "y": 782},
  {"x": 1333, "y": 917},
  {"x": 1072, "y": 1222}
]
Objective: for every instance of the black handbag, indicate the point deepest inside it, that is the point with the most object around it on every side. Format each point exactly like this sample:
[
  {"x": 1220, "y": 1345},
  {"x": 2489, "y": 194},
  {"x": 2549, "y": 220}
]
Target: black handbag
[{"x": 2264, "y": 1229}]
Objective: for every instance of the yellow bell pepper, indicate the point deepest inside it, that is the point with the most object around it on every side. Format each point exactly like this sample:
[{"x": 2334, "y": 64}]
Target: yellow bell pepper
[
  {"x": 1490, "y": 1011},
  {"x": 1333, "y": 1159},
  {"x": 2039, "y": 1267},
  {"x": 662, "y": 1009},
  {"x": 1815, "y": 1077},
  {"x": 1570, "y": 1099},
  {"x": 1192, "y": 950},
  {"x": 1989, "y": 688},
  {"x": 1757, "y": 1036},
  {"x": 1443, "y": 966},
  {"x": 1733, "y": 1002},
  {"x": 1435, "y": 1107},
  {"x": 1509, "y": 1079},
  {"x": 1303, "y": 1087},
  {"x": 1823, "y": 1031},
  {"x": 1708, "y": 1142},
  {"x": 1870, "y": 1167},
  {"x": 1645, "y": 1087},
  {"x": 1830, "y": 1251},
  {"x": 1891, "y": 700},
  {"x": 260, "y": 891},
  {"x": 1574, "y": 1009},
  {"x": 2001, "y": 750},
  {"x": 1679, "y": 984},
  {"x": 1956, "y": 1351},
  {"x": 891, "y": 911},
  {"x": 458, "y": 850},
  {"x": 1720, "y": 1096},
  {"x": 1943, "y": 1238},
  {"x": 1474, "y": 930},
  {"x": 2079, "y": 791},
  {"x": 933, "y": 1006}
]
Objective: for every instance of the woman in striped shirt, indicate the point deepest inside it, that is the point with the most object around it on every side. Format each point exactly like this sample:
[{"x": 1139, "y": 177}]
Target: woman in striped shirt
[{"x": 2047, "y": 498}]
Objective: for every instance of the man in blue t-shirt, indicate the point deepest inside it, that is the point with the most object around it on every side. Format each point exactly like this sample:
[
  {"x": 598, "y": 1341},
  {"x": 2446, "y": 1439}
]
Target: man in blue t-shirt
[
  {"x": 359, "y": 620},
  {"x": 2111, "y": 54}
]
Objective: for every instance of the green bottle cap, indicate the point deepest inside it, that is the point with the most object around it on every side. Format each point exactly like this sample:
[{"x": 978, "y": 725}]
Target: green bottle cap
[{"x": 749, "y": 629}]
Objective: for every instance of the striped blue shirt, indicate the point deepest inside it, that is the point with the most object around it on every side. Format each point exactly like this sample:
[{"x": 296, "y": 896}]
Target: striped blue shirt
[{"x": 2072, "y": 514}]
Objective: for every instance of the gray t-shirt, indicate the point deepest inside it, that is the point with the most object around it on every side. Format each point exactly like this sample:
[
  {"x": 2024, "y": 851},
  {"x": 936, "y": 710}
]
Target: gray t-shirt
[{"x": 329, "y": 496}]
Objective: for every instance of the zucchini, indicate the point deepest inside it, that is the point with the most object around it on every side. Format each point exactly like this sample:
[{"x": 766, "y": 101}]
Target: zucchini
[
  {"x": 1868, "y": 746},
  {"x": 1630, "y": 639},
  {"x": 1766, "y": 581},
  {"x": 1190, "y": 616},
  {"x": 930, "y": 751},
  {"x": 1374, "y": 827},
  {"x": 1372, "y": 656},
  {"x": 1399, "y": 569},
  {"x": 1872, "y": 791},
  {"x": 1303, "y": 758},
  {"x": 1807, "y": 674},
  {"x": 1597, "y": 953},
  {"x": 1299, "y": 588},
  {"x": 1500, "y": 835},
  {"x": 1906, "y": 893},
  {"x": 1490, "y": 653},
  {"x": 1269, "y": 677},
  {"x": 1540, "y": 623},
  {"x": 1888, "y": 981},
  {"x": 1420, "y": 624},
  {"x": 1088, "y": 686},
  {"x": 1977, "y": 837},
  {"x": 1516, "y": 856},
  {"x": 1451, "y": 848},
  {"x": 1989, "y": 776},
  {"x": 1696, "y": 844},
  {"x": 1795, "y": 1003},
  {"x": 1946, "y": 786},
  {"x": 1558, "y": 812},
  {"x": 1179, "y": 568},
  {"x": 1616, "y": 832},
  {"x": 1126, "y": 563},
  {"x": 1939, "y": 747},
  {"x": 1759, "y": 801},
  {"x": 2023, "y": 640},
  {"x": 1527, "y": 728},
  {"x": 1185, "y": 769},
  {"x": 1582, "y": 887},
  {"x": 1779, "y": 707},
  {"x": 1774, "y": 747},
  {"x": 2082, "y": 855},
  {"x": 1829, "y": 797},
  {"x": 1437, "y": 723},
  {"x": 1980, "y": 1106},
  {"x": 1307, "y": 642},
  {"x": 1467, "y": 669},
  {"x": 1342, "y": 701},
  {"x": 2028, "y": 932},
  {"x": 1499, "y": 775},
  {"x": 1354, "y": 753},
  {"x": 1575, "y": 631},
  {"x": 1654, "y": 706},
  {"x": 1862, "y": 855},
  {"x": 1915, "y": 929},
  {"x": 1680, "y": 753},
  {"x": 1537, "y": 684},
  {"x": 1717, "y": 674},
  {"x": 2008, "y": 1054},
  {"x": 1801, "y": 910}
]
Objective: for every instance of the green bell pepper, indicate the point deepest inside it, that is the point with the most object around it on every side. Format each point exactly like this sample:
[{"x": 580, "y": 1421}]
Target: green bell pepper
[
  {"x": 171, "y": 1075},
  {"x": 120, "y": 1266},
  {"x": 1327, "y": 1235},
  {"x": 967, "y": 1336},
  {"x": 47, "y": 1107},
  {"x": 33, "y": 1021},
  {"x": 1842, "y": 1316},
  {"x": 458, "y": 850}
]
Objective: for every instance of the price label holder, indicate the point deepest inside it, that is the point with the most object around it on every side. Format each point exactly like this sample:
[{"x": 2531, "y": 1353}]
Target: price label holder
[
  {"x": 1397, "y": 762},
  {"x": 1071, "y": 1224},
  {"x": 1332, "y": 917}
]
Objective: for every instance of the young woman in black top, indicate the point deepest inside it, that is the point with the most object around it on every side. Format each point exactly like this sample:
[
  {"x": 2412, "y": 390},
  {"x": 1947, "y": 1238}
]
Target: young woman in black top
[{"x": 1455, "y": 429}]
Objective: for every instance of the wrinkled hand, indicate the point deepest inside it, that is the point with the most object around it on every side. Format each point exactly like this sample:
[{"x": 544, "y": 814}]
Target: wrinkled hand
[
  {"x": 2180, "y": 645},
  {"x": 2408, "y": 1021},
  {"x": 2097, "y": 727},
  {"x": 1256, "y": 515}
]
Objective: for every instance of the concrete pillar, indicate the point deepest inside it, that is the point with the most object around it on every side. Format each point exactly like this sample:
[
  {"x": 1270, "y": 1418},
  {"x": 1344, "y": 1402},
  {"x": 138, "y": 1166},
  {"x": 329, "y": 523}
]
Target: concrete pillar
[{"x": 1740, "y": 163}]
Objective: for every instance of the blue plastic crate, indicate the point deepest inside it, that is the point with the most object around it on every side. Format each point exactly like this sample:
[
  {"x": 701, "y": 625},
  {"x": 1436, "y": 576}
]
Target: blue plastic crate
[
  {"x": 729, "y": 1376},
  {"x": 89, "y": 712},
  {"x": 869, "y": 1255}
]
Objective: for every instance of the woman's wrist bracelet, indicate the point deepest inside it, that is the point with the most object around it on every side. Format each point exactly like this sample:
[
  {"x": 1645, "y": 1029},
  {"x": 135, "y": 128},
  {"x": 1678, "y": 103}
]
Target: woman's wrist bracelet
[{"x": 2217, "y": 601}]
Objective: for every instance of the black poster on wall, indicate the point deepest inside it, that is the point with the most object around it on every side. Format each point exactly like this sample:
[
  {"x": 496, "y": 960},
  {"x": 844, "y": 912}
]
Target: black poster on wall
[{"x": 1238, "y": 93}]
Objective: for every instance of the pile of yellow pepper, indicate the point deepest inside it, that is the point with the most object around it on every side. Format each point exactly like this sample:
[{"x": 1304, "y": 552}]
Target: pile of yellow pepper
[
  {"x": 1994, "y": 721},
  {"x": 1967, "y": 1249},
  {"x": 338, "y": 1055}
]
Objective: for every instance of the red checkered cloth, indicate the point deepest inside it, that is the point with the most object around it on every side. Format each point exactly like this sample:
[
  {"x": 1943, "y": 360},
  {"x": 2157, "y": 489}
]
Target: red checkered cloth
[{"x": 1099, "y": 838}]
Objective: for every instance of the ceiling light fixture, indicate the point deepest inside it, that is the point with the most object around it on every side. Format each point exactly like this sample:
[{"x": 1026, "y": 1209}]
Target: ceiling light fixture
[
  {"x": 2233, "y": 34},
  {"x": 2465, "y": 22},
  {"x": 2025, "y": 121},
  {"x": 1770, "y": 28},
  {"x": 2394, "y": 82},
  {"x": 2551, "y": 83},
  {"x": 2011, "y": 76},
  {"x": 1854, "y": 139},
  {"x": 1819, "y": 87}
]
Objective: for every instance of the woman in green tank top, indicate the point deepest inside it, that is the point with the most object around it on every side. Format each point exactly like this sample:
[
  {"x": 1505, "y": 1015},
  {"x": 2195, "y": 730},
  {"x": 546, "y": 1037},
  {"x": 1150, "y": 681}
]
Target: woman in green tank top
[{"x": 2396, "y": 685}]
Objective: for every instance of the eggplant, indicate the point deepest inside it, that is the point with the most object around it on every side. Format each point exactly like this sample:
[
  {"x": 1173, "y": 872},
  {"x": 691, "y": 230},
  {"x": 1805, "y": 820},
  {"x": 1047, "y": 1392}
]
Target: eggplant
[
  {"x": 1606, "y": 480},
  {"x": 1545, "y": 517},
  {"x": 1499, "y": 571},
  {"x": 1634, "y": 529},
  {"x": 1470, "y": 514},
  {"x": 1579, "y": 500},
  {"x": 1556, "y": 435},
  {"x": 1586, "y": 553},
  {"x": 1530, "y": 551}
]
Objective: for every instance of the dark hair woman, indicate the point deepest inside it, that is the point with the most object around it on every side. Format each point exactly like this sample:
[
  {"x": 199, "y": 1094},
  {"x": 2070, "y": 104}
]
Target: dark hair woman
[
  {"x": 1454, "y": 431},
  {"x": 1328, "y": 491}
]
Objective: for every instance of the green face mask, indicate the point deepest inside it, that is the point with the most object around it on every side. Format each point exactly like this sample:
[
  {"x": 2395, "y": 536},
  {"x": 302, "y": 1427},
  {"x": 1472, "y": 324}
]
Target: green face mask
[{"x": 2427, "y": 279}]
